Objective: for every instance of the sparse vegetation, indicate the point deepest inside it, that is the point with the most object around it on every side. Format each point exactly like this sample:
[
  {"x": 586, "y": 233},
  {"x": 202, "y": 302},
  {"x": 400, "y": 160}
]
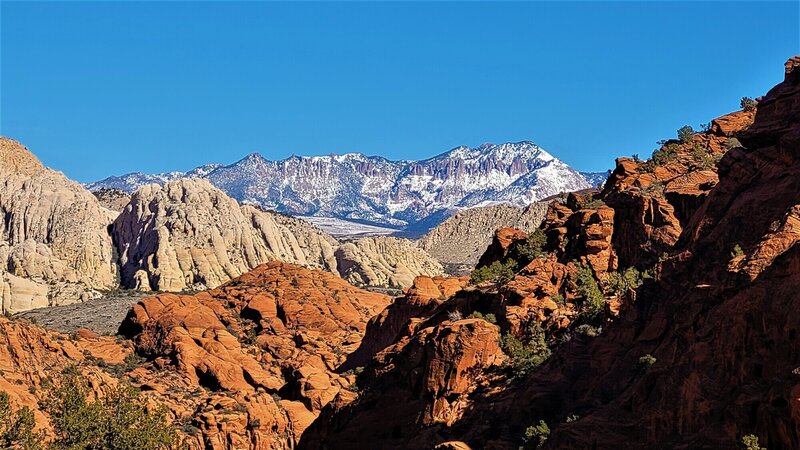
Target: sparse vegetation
[
  {"x": 532, "y": 247},
  {"x": 595, "y": 204},
  {"x": 526, "y": 356},
  {"x": 573, "y": 418},
  {"x": 748, "y": 104},
  {"x": 587, "y": 287},
  {"x": 703, "y": 158},
  {"x": 17, "y": 428},
  {"x": 750, "y": 442},
  {"x": 660, "y": 157},
  {"x": 497, "y": 272},
  {"x": 491, "y": 318},
  {"x": 646, "y": 361},
  {"x": 120, "y": 421},
  {"x": 737, "y": 251},
  {"x": 454, "y": 316},
  {"x": 686, "y": 133},
  {"x": 537, "y": 434},
  {"x": 622, "y": 282}
]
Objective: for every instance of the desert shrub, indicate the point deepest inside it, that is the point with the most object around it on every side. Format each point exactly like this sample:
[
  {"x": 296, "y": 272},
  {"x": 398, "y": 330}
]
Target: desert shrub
[
  {"x": 686, "y": 133},
  {"x": 748, "y": 104},
  {"x": 703, "y": 158},
  {"x": 120, "y": 421},
  {"x": 537, "y": 434},
  {"x": 558, "y": 299},
  {"x": 737, "y": 251},
  {"x": 646, "y": 361},
  {"x": 750, "y": 442},
  {"x": 454, "y": 316},
  {"x": 497, "y": 272},
  {"x": 662, "y": 156},
  {"x": 17, "y": 428},
  {"x": 525, "y": 356},
  {"x": 587, "y": 287},
  {"x": 732, "y": 143},
  {"x": 488, "y": 317},
  {"x": 622, "y": 282},
  {"x": 532, "y": 247},
  {"x": 588, "y": 330},
  {"x": 706, "y": 127},
  {"x": 573, "y": 418},
  {"x": 595, "y": 204}
]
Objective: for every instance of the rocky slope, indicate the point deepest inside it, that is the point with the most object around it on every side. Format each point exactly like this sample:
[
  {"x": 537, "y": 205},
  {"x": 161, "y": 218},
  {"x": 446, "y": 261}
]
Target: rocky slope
[
  {"x": 459, "y": 241},
  {"x": 54, "y": 247},
  {"x": 245, "y": 366},
  {"x": 354, "y": 186},
  {"x": 384, "y": 261},
  {"x": 113, "y": 199},
  {"x": 694, "y": 350}
]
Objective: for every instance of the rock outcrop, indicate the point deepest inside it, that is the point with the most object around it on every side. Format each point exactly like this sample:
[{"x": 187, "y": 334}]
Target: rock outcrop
[
  {"x": 703, "y": 353},
  {"x": 459, "y": 241},
  {"x": 54, "y": 247},
  {"x": 246, "y": 366},
  {"x": 274, "y": 336},
  {"x": 384, "y": 261},
  {"x": 190, "y": 235}
]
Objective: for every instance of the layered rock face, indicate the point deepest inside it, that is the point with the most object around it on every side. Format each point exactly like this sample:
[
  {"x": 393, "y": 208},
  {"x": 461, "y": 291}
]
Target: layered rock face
[
  {"x": 701, "y": 354},
  {"x": 384, "y": 261},
  {"x": 246, "y": 366},
  {"x": 459, "y": 241},
  {"x": 189, "y": 234},
  {"x": 55, "y": 247}
]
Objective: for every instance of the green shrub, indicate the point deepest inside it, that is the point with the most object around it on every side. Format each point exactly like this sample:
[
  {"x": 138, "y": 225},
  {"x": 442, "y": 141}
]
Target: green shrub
[
  {"x": 573, "y": 418},
  {"x": 750, "y": 442},
  {"x": 660, "y": 157},
  {"x": 686, "y": 133},
  {"x": 748, "y": 104},
  {"x": 593, "y": 300},
  {"x": 16, "y": 429},
  {"x": 532, "y": 247},
  {"x": 488, "y": 317},
  {"x": 525, "y": 356},
  {"x": 646, "y": 361},
  {"x": 622, "y": 282},
  {"x": 497, "y": 272},
  {"x": 737, "y": 251},
  {"x": 537, "y": 434},
  {"x": 703, "y": 158},
  {"x": 120, "y": 421}
]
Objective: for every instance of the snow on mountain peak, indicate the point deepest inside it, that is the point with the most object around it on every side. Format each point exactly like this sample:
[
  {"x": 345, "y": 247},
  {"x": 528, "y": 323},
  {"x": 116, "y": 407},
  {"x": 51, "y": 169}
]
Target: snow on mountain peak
[{"x": 354, "y": 186}]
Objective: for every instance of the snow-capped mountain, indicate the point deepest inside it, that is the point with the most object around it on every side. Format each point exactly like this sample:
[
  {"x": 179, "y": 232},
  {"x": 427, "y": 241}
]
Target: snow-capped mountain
[
  {"x": 133, "y": 181},
  {"x": 353, "y": 186}
]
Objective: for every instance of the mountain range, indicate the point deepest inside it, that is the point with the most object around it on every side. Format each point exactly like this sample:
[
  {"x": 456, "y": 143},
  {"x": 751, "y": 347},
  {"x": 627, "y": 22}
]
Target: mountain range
[{"x": 373, "y": 189}]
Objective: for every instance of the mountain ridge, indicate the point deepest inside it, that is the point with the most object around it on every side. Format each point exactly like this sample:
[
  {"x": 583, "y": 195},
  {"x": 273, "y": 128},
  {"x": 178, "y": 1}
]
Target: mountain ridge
[{"x": 375, "y": 189}]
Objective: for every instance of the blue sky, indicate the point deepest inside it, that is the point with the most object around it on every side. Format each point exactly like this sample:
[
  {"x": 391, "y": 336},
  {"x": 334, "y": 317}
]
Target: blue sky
[{"x": 101, "y": 88}]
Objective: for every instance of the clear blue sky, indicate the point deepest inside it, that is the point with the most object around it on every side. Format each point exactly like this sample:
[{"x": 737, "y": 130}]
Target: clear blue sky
[{"x": 101, "y": 88}]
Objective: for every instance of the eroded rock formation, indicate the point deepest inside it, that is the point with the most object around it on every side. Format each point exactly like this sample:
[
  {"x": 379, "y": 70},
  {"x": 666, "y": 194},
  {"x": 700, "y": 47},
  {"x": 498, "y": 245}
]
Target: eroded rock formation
[
  {"x": 54, "y": 247},
  {"x": 384, "y": 261},
  {"x": 190, "y": 235}
]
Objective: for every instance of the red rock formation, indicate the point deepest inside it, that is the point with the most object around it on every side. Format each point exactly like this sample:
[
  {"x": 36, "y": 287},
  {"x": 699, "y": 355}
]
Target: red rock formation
[
  {"x": 719, "y": 323},
  {"x": 249, "y": 365}
]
